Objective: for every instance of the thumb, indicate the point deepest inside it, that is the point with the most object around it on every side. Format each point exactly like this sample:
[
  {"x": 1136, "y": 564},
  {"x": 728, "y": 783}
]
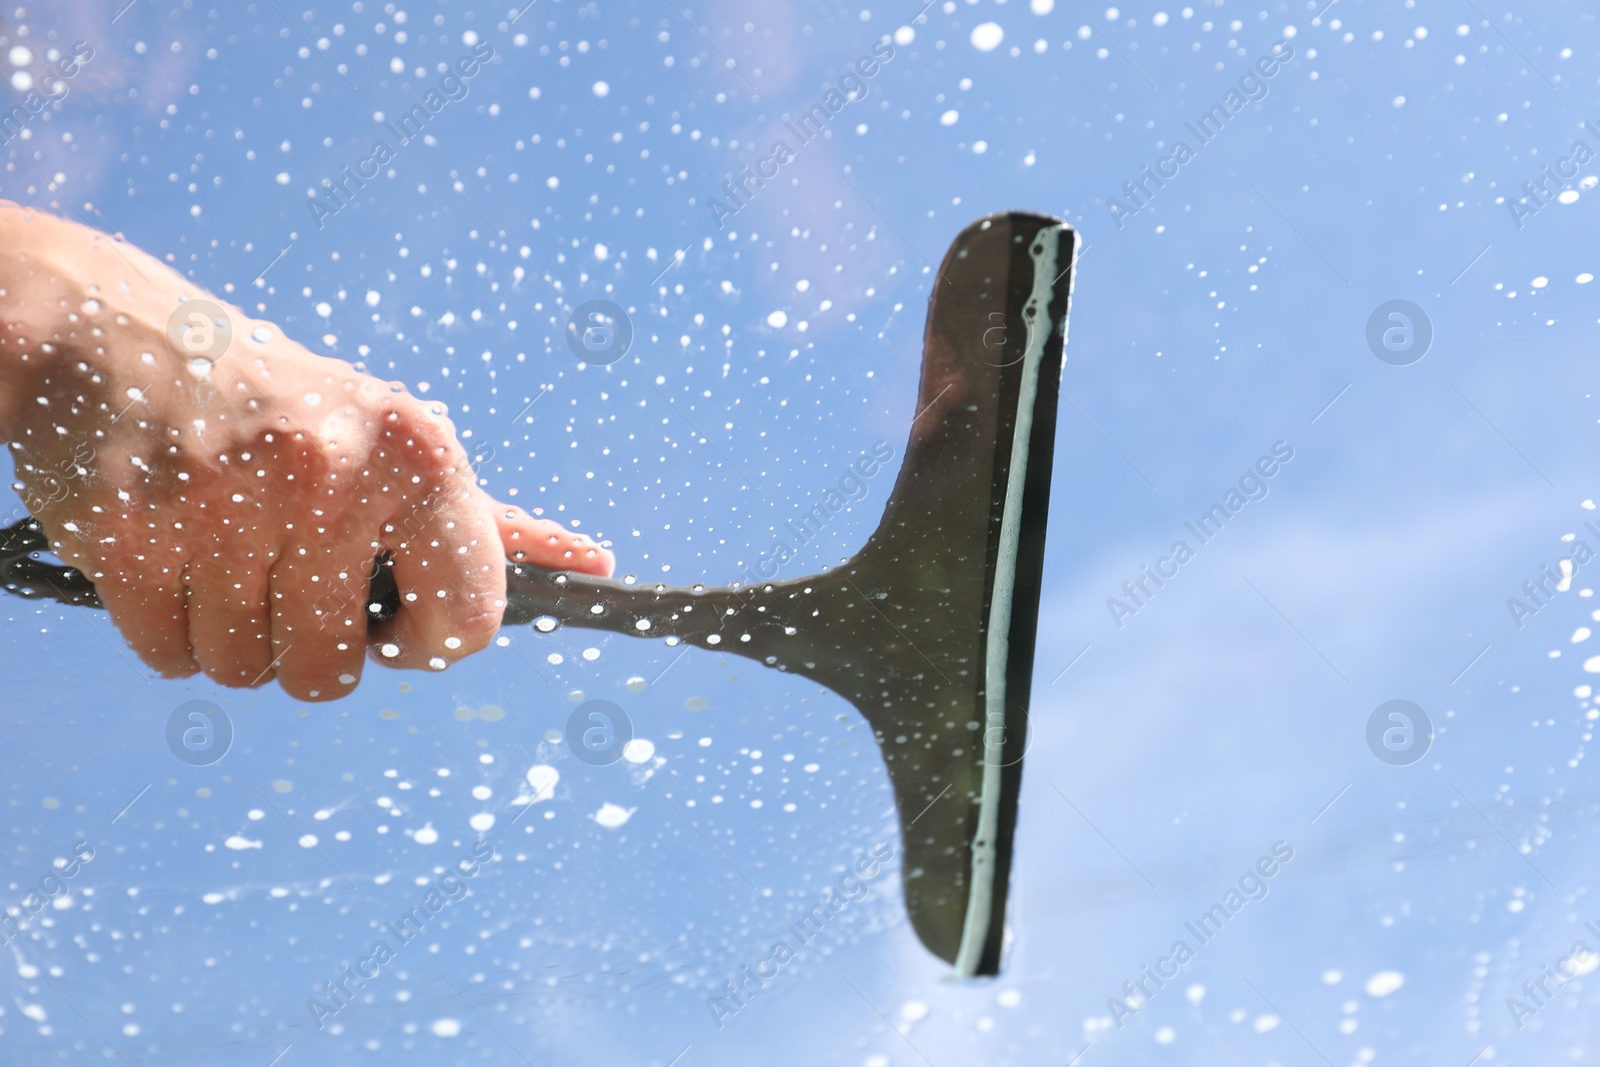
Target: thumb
[{"x": 548, "y": 544}]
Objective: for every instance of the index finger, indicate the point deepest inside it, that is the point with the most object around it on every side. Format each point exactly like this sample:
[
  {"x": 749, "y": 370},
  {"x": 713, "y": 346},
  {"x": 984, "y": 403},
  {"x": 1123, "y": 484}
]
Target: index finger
[{"x": 450, "y": 570}]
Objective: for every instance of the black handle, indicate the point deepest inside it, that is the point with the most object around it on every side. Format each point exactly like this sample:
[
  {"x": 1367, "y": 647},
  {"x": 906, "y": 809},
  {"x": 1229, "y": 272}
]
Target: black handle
[
  {"x": 22, "y": 572},
  {"x": 531, "y": 592}
]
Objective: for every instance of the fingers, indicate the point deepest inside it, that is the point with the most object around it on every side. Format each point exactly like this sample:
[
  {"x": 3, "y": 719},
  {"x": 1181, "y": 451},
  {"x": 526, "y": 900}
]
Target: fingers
[
  {"x": 449, "y": 567},
  {"x": 317, "y": 612},
  {"x": 548, "y": 544},
  {"x": 148, "y": 607},
  {"x": 230, "y": 632},
  {"x": 302, "y": 618}
]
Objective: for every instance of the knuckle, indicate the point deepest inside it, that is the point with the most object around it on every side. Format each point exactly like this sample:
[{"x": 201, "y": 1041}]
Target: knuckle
[{"x": 476, "y": 626}]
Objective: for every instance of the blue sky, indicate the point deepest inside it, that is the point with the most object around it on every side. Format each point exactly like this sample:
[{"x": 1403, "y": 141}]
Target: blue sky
[{"x": 1225, "y": 716}]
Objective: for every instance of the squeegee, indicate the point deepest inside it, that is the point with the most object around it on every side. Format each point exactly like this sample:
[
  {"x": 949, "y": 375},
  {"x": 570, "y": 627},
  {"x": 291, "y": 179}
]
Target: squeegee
[{"x": 929, "y": 629}]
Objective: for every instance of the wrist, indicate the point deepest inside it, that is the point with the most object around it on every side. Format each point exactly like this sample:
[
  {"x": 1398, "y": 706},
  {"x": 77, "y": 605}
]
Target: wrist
[
  {"x": 78, "y": 313},
  {"x": 29, "y": 359},
  {"x": 37, "y": 305}
]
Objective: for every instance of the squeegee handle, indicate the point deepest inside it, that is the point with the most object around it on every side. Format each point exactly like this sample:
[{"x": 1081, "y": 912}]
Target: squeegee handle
[
  {"x": 531, "y": 592},
  {"x": 23, "y": 572}
]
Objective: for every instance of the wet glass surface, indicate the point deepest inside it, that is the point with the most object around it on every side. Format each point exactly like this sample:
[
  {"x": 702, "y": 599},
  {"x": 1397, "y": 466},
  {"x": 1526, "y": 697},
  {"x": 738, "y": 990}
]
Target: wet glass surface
[{"x": 1334, "y": 347}]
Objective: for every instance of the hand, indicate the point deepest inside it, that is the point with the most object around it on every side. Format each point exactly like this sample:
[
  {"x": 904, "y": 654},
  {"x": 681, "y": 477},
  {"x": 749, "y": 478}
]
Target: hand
[{"x": 230, "y": 514}]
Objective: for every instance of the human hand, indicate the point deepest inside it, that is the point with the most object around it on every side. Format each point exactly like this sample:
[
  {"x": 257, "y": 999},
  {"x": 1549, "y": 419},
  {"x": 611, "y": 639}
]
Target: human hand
[{"x": 232, "y": 512}]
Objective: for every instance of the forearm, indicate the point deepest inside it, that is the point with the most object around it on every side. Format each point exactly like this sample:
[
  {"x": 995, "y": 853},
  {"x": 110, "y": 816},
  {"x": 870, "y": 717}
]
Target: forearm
[
  {"x": 56, "y": 282},
  {"x": 81, "y": 316},
  {"x": 33, "y": 297}
]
